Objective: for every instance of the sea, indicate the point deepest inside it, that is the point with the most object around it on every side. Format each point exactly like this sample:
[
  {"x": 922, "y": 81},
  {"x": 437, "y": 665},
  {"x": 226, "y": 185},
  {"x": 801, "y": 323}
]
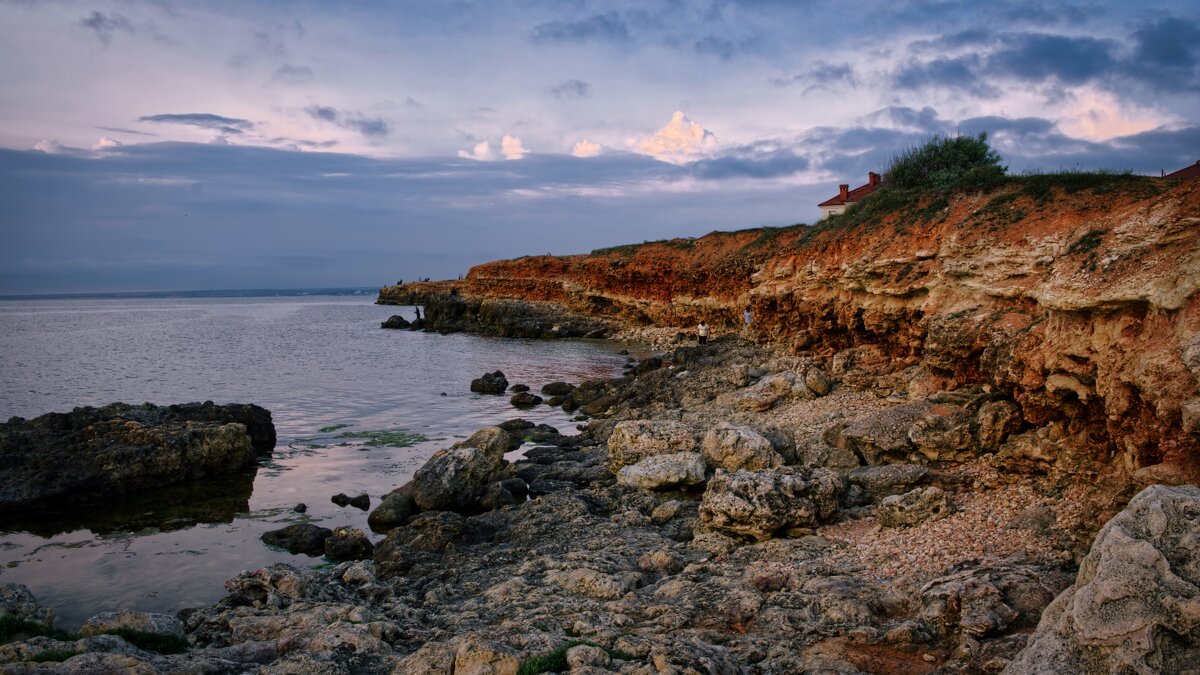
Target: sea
[{"x": 357, "y": 409}]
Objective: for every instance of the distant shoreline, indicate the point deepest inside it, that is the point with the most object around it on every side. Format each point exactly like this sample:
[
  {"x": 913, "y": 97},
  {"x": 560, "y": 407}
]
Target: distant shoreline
[{"x": 231, "y": 293}]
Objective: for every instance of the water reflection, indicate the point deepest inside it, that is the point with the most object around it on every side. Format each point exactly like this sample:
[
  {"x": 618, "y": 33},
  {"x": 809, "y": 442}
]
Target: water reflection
[{"x": 210, "y": 500}]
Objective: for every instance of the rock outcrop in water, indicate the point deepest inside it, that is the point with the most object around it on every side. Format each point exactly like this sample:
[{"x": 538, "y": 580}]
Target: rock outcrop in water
[{"x": 62, "y": 459}]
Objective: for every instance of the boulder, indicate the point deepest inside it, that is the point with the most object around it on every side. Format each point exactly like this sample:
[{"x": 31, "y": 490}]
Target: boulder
[
  {"x": 770, "y": 390},
  {"x": 454, "y": 479},
  {"x": 943, "y": 432},
  {"x": 346, "y": 543},
  {"x": 493, "y": 441},
  {"x": 890, "y": 479},
  {"x": 993, "y": 423},
  {"x": 733, "y": 448},
  {"x": 395, "y": 510},
  {"x": 518, "y": 388},
  {"x": 817, "y": 381},
  {"x": 395, "y": 321},
  {"x": 100, "y": 453},
  {"x": 883, "y": 433},
  {"x": 983, "y": 601},
  {"x": 525, "y": 399},
  {"x": 633, "y": 440},
  {"x": 19, "y": 602},
  {"x": 299, "y": 538},
  {"x": 761, "y": 503},
  {"x": 914, "y": 507},
  {"x": 145, "y": 622},
  {"x": 276, "y": 586},
  {"x": 490, "y": 383},
  {"x": 504, "y": 493},
  {"x": 664, "y": 471},
  {"x": 1135, "y": 604},
  {"x": 343, "y": 500},
  {"x": 558, "y": 389}
]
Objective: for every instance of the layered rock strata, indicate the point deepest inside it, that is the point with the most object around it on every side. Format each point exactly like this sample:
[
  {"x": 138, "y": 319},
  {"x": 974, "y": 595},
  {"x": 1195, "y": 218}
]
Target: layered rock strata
[{"x": 94, "y": 453}]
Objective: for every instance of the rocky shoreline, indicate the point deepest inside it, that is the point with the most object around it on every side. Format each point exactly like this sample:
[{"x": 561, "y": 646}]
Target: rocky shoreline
[{"x": 724, "y": 509}]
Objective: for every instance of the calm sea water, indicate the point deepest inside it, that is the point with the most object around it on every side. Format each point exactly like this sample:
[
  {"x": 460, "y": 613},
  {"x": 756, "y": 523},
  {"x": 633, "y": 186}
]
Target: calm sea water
[{"x": 314, "y": 362}]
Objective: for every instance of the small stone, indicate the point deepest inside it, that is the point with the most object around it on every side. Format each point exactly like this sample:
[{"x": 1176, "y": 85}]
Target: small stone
[{"x": 300, "y": 508}]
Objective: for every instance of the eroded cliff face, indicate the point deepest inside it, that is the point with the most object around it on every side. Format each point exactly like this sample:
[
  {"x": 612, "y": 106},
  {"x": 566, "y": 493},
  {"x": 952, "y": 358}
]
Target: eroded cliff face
[{"x": 1081, "y": 307}]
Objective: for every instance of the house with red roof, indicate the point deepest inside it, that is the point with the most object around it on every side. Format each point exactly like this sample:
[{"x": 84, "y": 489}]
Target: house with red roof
[
  {"x": 1192, "y": 171},
  {"x": 846, "y": 196}
]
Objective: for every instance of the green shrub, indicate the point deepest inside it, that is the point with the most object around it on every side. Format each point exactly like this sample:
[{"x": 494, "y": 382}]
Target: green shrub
[
  {"x": 556, "y": 661},
  {"x": 163, "y": 644},
  {"x": 14, "y": 628},
  {"x": 946, "y": 162}
]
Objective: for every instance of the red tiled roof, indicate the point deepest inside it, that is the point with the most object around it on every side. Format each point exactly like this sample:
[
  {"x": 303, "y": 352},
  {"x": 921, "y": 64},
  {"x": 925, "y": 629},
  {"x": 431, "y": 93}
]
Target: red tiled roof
[
  {"x": 1192, "y": 171},
  {"x": 851, "y": 197}
]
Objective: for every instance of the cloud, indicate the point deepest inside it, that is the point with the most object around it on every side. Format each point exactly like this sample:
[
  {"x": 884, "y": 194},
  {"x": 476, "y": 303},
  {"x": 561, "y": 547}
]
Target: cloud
[
  {"x": 1040, "y": 56},
  {"x": 1098, "y": 116},
  {"x": 763, "y": 159},
  {"x": 1166, "y": 54},
  {"x": 371, "y": 127},
  {"x": 289, "y": 74},
  {"x": 944, "y": 73},
  {"x": 231, "y": 126},
  {"x": 571, "y": 89},
  {"x": 482, "y": 152},
  {"x": 105, "y": 25},
  {"x": 586, "y": 148},
  {"x": 822, "y": 75},
  {"x": 126, "y": 131},
  {"x": 511, "y": 147},
  {"x": 679, "y": 140},
  {"x": 106, "y": 143},
  {"x": 926, "y": 119},
  {"x": 722, "y": 48},
  {"x": 608, "y": 27}
]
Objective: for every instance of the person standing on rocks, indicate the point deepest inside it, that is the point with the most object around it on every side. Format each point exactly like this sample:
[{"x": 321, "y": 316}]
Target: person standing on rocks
[
  {"x": 746, "y": 318},
  {"x": 702, "y": 333},
  {"x": 418, "y": 313}
]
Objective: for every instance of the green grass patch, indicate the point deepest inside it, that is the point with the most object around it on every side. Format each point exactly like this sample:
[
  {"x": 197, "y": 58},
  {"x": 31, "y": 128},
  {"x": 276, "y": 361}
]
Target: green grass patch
[
  {"x": 163, "y": 644},
  {"x": 53, "y": 655},
  {"x": 13, "y": 628},
  {"x": 397, "y": 438},
  {"x": 1043, "y": 186},
  {"x": 335, "y": 427}
]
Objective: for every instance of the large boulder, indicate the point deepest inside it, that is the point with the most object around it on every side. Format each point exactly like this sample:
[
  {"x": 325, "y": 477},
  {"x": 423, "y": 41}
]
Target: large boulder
[
  {"x": 914, "y": 507},
  {"x": 99, "y": 453},
  {"x": 395, "y": 510},
  {"x": 455, "y": 479},
  {"x": 346, "y": 543},
  {"x": 396, "y": 321},
  {"x": 733, "y": 448},
  {"x": 758, "y": 504},
  {"x": 633, "y": 440},
  {"x": 771, "y": 389},
  {"x": 493, "y": 441},
  {"x": 145, "y": 622},
  {"x": 490, "y": 383},
  {"x": 19, "y": 602},
  {"x": 1135, "y": 605},
  {"x": 884, "y": 433},
  {"x": 664, "y": 471},
  {"x": 299, "y": 538},
  {"x": 889, "y": 479}
]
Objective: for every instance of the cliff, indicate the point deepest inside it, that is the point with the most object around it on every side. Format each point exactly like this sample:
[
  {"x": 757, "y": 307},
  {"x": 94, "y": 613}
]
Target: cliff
[{"x": 1073, "y": 296}]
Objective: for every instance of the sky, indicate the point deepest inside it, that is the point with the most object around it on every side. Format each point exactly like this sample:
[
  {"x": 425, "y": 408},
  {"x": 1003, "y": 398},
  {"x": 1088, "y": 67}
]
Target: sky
[{"x": 217, "y": 144}]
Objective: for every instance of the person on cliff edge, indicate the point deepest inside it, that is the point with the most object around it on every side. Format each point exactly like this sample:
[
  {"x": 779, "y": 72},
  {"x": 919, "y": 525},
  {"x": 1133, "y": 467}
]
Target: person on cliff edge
[{"x": 702, "y": 333}]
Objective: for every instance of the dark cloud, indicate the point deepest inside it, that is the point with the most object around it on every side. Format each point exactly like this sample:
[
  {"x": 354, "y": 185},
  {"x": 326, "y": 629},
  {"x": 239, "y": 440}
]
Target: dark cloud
[
  {"x": 756, "y": 160},
  {"x": 371, "y": 127},
  {"x": 325, "y": 113},
  {"x": 958, "y": 73},
  {"x": 1041, "y": 14},
  {"x": 954, "y": 41},
  {"x": 1038, "y": 57},
  {"x": 608, "y": 27},
  {"x": 926, "y": 119},
  {"x": 571, "y": 89},
  {"x": 225, "y": 125},
  {"x": 126, "y": 131},
  {"x": 822, "y": 76},
  {"x": 1167, "y": 55},
  {"x": 105, "y": 25},
  {"x": 722, "y": 48},
  {"x": 289, "y": 74}
]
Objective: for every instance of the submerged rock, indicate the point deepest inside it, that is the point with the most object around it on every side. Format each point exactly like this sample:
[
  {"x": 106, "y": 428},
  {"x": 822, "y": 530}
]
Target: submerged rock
[
  {"x": 299, "y": 538},
  {"x": 490, "y": 383},
  {"x": 96, "y": 453}
]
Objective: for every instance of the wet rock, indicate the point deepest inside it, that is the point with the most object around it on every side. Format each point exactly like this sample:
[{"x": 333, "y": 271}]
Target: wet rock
[
  {"x": 299, "y": 538},
  {"x": 558, "y": 389},
  {"x": 733, "y": 448},
  {"x": 890, "y": 479},
  {"x": 504, "y": 493},
  {"x": 17, "y": 601},
  {"x": 395, "y": 510},
  {"x": 664, "y": 471},
  {"x": 146, "y": 622},
  {"x": 346, "y": 543},
  {"x": 1134, "y": 606},
  {"x": 92, "y": 453},
  {"x": 525, "y": 400},
  {"x": 454, "y": 479},
  {"x": 761, "y": 503},
  {"x": 395, "y": 321},
  {"x": 300, "y": 508},
  {"x": 518, "y": 388},
  {"x": 633, "y": 440},
  {"x": 914, "y": 507},
  {"x": 362, "y": 501},
  {"x": 490, "y": 383}
]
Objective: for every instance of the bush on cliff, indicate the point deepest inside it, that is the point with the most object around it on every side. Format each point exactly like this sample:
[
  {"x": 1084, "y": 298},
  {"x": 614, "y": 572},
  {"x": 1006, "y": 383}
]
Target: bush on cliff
[{"x": 945, "y": 163}]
